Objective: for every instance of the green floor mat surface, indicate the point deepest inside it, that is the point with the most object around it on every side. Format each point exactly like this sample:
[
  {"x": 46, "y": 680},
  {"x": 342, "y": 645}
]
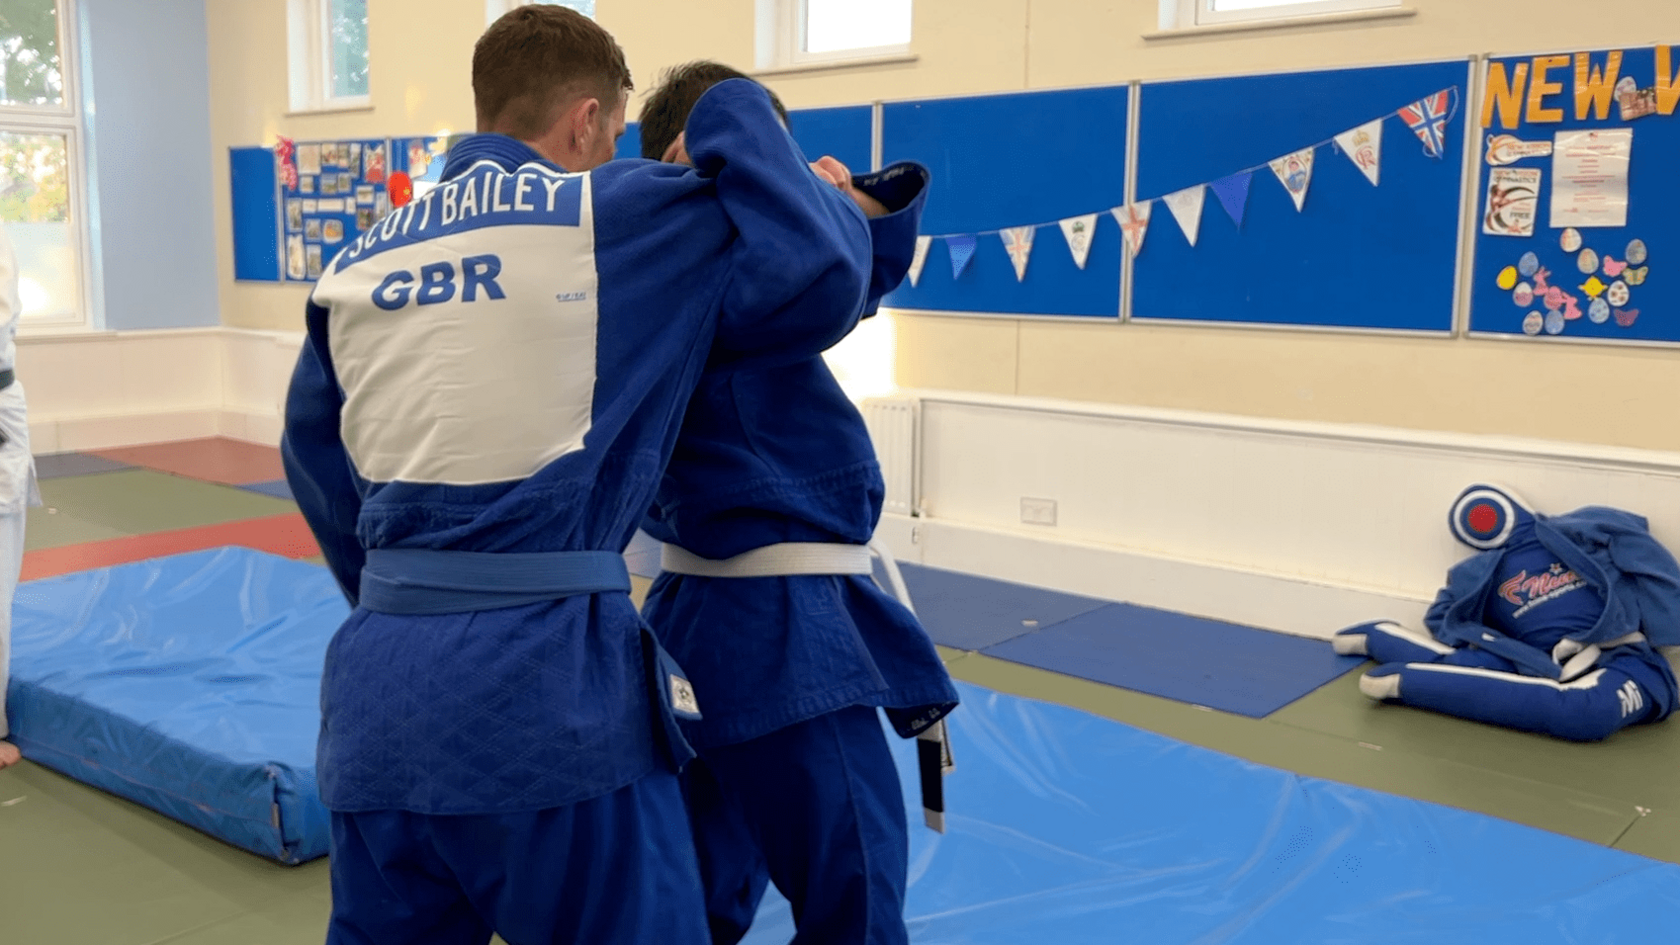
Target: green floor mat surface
[
  {"x": 139, "y": 501},
  {"x": 78, "y": 865}
]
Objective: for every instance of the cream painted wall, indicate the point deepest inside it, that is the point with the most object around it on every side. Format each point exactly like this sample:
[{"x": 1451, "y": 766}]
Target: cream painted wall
[
  {"x": 420, "y": 69},
  {"x": 1579, "y": 393},
  {"x": 420, "y": 64}
]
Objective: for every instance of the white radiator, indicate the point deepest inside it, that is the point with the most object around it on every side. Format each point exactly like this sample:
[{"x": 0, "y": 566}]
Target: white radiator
[{"x": 892, "y": 425}]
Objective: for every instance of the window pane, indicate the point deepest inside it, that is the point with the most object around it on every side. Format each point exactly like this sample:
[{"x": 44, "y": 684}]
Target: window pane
[
  {"x": 832, "y": 25},
  {"x": 35, "y": 209},
  {"x": 494, "y": 10},
  {"x": 586, "y": 7},
  {"x": 347, "y": 26},
  {"x": 29, "y": 38}
]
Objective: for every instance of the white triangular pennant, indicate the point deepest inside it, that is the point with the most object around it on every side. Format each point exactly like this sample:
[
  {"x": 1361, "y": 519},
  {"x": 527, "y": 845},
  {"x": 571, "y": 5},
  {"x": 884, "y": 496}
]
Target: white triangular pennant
[
  {"x": 1134, "y": 224},
  {"x": 1078, "y": 232},
  {"x": 1186, "y": 207},
  {"x": 1363, "y": 146},
  {"x": 1294, "y": 172},
  {"x": 920, "y": 259},
  {"x": 1018, "y": 240}
]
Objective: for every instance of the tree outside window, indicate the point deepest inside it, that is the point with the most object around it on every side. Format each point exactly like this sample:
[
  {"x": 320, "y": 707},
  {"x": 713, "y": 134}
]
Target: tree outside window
[
  {"x": 348, "y": 34},
  {"x": 40, "y": 130}
]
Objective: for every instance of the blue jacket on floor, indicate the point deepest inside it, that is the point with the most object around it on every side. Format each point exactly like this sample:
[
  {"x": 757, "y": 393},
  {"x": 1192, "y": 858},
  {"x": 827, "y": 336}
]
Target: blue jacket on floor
[{"x": 1612, "y": 550}]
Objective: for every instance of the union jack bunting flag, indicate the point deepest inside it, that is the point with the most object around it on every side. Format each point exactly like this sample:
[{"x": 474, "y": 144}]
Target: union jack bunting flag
[{"x": 1428, "y": 119}]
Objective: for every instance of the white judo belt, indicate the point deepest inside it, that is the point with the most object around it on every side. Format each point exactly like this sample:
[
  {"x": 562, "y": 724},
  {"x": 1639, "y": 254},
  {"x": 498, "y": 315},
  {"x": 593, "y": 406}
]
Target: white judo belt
[
  {"x": 791, "y": 559},
  {"x": 1577, "y": 659}
]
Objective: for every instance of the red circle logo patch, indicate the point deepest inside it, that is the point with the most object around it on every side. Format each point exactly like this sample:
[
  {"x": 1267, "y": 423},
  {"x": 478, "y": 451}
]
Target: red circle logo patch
[
  {"x": 1483, "y": 519},
  {"x": 401, "y": 188}
]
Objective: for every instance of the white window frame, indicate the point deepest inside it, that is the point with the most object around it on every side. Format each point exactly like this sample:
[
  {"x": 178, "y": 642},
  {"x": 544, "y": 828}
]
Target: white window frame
[
  {"x": 781, "y": 31},
  {"x": 309, "y": 60},
  {"x": 66, "y": 120},
  {"x": 1190, "y": 14}
]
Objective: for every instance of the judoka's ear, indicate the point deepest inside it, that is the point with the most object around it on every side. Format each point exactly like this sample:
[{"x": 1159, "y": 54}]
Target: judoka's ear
[
  {"x": 677, "y": 153},
  {"x": 585, "y": 121}
]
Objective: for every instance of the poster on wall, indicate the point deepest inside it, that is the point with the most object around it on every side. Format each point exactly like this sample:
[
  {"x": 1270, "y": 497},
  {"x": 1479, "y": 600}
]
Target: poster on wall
[
  {"x": 1513, "y": 199},
  {"x": 416, "y": 166},
  {"x": 1597, "y": 262},
  {"x": 1590, "y": 178},
  {"x": 344, "y": 181}
]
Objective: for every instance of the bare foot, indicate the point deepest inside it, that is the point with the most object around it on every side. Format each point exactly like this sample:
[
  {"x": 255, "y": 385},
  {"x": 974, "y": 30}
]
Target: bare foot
[{"x": 9, "y": 754}]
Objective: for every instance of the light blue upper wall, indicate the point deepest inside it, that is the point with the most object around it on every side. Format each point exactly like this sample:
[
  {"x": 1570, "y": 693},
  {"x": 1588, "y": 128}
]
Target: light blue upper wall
[{"x": 146, "y": 87}]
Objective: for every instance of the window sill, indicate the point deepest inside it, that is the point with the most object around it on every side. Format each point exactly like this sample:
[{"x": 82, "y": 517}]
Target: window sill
[
  {"x": 1254, "y": 26},
  {"x": 859, "y": 62},
  {"x": 329, "y": 110},
  {"x": 64, "y": 333},
  {"x": 60, "y": 331}
]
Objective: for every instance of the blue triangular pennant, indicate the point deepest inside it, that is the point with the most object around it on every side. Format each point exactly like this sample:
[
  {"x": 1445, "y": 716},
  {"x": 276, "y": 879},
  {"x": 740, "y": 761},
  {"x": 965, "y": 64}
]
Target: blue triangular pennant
[
  {"x": 1233, "y": 194},
  {"x": 962, "y": 250}
]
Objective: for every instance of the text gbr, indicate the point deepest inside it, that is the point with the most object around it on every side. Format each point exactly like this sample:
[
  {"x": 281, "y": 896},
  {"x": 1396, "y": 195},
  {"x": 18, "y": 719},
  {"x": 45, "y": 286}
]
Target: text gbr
[{"x": 438, "y": 284}]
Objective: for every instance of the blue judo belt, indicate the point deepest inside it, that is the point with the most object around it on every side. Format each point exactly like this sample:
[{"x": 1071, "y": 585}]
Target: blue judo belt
[
  {"x": 418, "y": 582},
  {"x": 414, "y": 582}
]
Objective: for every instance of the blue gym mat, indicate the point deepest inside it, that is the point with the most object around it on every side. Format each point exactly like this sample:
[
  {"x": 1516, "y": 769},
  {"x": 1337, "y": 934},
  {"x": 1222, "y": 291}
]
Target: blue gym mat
[
  {"x": 973, "y": 613},
  {"x": 59, "y": 465},
  {"x": 189, "y": 684},
  {"x": 1223, "y": 666},
  {"x": 278, "y": 488},
  {"x": 1072, "y": 829}
]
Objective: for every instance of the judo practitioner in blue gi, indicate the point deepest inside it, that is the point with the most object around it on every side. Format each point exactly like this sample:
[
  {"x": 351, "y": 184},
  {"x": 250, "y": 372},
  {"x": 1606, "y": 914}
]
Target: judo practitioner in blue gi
[
  {"x": 1553, "y": 626},
  {"x": 767, "y": 601},
  {"x": 491, "y": 386}
]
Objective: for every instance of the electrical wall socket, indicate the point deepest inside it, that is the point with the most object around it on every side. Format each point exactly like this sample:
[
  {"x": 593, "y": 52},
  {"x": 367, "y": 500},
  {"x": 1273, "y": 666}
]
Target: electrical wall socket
[{"x": 1038, "y": 511}]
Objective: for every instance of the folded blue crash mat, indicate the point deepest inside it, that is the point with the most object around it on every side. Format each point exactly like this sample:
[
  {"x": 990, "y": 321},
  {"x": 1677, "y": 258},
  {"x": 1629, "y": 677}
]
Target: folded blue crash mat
[{"x": 189, "y": 684}]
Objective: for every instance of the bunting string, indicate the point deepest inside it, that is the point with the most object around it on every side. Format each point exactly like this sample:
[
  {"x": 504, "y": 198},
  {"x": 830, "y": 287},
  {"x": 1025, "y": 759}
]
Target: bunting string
[{"x": 1427, "y": 118}]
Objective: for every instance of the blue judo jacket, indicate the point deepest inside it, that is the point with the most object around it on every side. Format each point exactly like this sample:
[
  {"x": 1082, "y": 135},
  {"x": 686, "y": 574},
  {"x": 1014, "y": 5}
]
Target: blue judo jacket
[
  {"x": 503, "y": 367},
  {"x": 780, "y": 454},
  {"x": 1611, "y": 550}
]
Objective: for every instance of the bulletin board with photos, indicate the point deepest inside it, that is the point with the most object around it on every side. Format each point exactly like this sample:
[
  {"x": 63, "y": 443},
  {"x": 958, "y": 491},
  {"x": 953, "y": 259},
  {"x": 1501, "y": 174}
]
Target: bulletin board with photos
[
  {"x": 416, "y": 166},
  {"x": 331, "y": 193},
  {"x": 1575, "y": 209}
]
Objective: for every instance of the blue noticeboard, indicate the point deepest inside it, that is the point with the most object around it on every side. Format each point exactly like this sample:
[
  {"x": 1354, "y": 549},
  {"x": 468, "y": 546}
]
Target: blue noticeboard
[
  {"x": 846, "y": 133},
  {"x": 1011, "y": 160},
  {"x": 1574, "y": 117},
  {"x": 1355, "y": 255},
  {"x": 256, "y": 215},
  {"x": 341, "y": 191},
  {"x": 630, "y": 143}
]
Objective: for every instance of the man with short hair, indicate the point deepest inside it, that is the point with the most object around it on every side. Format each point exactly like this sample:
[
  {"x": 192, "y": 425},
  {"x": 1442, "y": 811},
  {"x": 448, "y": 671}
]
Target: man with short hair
[
  {"x": 767, "y": 600},
  {"x": 491, "y": 386}
]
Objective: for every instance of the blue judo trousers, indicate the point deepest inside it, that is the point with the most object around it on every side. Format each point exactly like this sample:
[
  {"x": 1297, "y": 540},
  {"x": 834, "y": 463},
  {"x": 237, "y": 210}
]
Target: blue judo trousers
[{"x": 492, "y": 384}]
